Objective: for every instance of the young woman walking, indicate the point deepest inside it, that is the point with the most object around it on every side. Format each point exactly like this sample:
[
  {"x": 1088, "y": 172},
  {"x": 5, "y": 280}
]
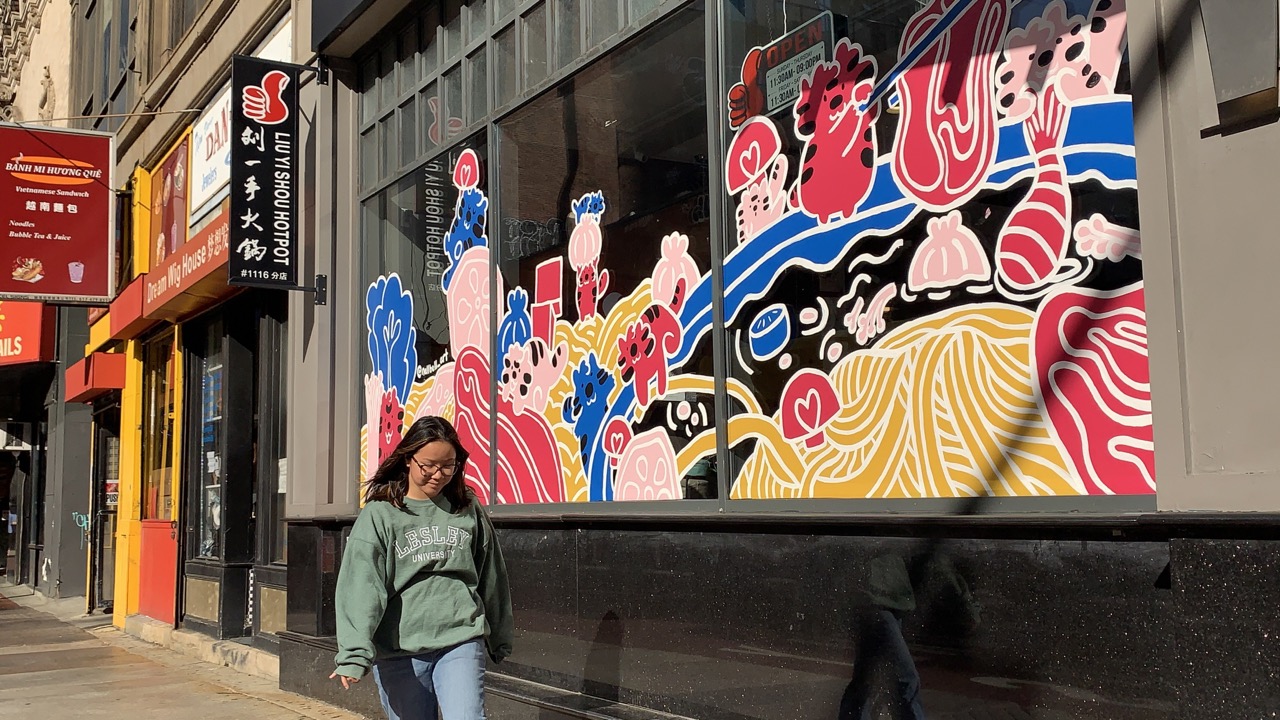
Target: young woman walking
[{"x": 422, "y": 591}]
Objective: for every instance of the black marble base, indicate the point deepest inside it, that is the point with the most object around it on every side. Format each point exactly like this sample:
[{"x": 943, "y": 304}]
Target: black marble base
[
  {"x": 727, "y": 625},
  {"x": 1228, "y": 628},
  {"x": 305, "y": 666}
]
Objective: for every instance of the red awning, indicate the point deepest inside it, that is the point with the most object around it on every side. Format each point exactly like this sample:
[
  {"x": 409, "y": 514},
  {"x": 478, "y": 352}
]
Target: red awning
[{"x": 95, "y": 376}]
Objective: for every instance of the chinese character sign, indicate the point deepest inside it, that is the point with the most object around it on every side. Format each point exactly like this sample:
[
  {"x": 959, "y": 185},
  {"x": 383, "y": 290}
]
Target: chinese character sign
[
  {"x": 264, "y": 171},
  {"x": 56, "y": 241}
]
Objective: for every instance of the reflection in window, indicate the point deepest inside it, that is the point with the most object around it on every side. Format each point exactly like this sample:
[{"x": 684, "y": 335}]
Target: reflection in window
[
  {"x": 568, "y": 33},
  {"x": 158, "y": 397},
  {"x": 604, "y": 230},
  {"x": 451, "y": 118},
  {"x": 404, "y": 266},
  {"x": 535, "y": 46},
  {"x": 211, "y": 366},
  {"x": 478, "y": 97},
  {"x": 507, "y": 80}
]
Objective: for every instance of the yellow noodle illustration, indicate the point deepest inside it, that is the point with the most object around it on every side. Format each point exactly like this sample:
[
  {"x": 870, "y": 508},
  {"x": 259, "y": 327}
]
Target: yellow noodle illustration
[
  {"x": 941, "y": 407},
  {"x": 701, "y": 446}
]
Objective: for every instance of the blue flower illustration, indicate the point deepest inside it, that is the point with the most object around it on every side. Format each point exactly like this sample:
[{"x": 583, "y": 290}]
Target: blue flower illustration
[
  {"x": 467, "y": 230},
  {"x": 589, "y": 204},
  {"x": 392, "y": 337},
  {"x": 517, "y": 325}
]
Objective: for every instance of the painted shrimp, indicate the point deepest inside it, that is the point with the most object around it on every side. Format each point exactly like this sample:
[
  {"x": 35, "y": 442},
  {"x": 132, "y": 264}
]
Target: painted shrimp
[{"x": 1031, "y": 251}]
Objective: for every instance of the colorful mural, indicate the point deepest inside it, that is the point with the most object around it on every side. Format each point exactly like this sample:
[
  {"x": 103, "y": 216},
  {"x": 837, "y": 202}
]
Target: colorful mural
[
  {"x": 975, "y": 203},
  {"x": 991, "y": 338}
]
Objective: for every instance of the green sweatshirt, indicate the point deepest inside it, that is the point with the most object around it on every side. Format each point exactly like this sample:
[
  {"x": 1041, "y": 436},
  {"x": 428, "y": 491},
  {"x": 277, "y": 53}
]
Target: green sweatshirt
[{"x": 418, "y": 580}]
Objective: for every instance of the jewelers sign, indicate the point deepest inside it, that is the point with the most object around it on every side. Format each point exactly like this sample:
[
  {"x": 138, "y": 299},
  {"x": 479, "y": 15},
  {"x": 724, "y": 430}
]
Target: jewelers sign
[
  {"x": 264, "y": 172},
  {"x": 56, "y": 239}
]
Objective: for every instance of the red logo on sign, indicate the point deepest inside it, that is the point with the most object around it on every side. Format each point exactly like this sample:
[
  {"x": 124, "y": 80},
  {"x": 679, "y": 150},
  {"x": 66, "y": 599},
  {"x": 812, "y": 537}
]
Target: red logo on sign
[{"x": 263, "y": 103}]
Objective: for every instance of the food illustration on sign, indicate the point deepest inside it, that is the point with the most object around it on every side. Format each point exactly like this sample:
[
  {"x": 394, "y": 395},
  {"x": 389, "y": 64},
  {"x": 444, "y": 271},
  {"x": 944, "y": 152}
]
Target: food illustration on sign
[
  {"x": 56, "y": 201},
  {"x": 265, "y": 103},
  {"x": 28, "y": 270}
]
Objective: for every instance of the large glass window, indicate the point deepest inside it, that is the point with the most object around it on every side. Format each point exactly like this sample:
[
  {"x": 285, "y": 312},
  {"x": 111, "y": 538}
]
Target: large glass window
[
  {"x": 602, "y": 187},
  {"x": 921, "y": 213},
  {"x": 427, "y": 82},
  {"x": 406, "y": 229},
  {"x": 102, "y": 80},
  {"x": 159, "y": 405},
  {"x": 604, "y": 232}
]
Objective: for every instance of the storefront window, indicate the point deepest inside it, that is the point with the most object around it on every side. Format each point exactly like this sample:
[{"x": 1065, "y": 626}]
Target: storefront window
[
  {"x": 159, "y": 406},
  {"x": 430, "y": 81},
  {"x": 212, "y": 438},
  {"x": 408, "y": 229},
  {"x": 933, "y": 228},
  {"x": 603, "y": 186}
]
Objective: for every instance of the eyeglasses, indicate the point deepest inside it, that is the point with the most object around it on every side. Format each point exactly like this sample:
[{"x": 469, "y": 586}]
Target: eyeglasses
[{"x": 429, "y": 470}]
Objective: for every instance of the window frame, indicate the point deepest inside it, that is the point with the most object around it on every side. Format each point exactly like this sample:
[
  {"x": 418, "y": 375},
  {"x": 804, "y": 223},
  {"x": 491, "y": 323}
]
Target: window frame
[{"x": 722, "y": 509}]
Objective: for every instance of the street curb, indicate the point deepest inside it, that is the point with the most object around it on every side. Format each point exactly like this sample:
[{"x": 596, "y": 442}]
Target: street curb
[{"x": 243, "y": 658}]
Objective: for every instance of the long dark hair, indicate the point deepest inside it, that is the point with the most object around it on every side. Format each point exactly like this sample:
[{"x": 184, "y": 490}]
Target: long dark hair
[{"x": 391, "y": 482}]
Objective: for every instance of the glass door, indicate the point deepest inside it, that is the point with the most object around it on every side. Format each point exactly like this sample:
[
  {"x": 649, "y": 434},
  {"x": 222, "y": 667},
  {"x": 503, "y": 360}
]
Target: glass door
[{"x": 106, "y": 482}]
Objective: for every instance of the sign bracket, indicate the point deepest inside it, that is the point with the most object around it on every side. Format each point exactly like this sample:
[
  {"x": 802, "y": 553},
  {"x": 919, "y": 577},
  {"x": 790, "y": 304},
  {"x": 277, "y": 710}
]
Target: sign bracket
[{"x": 321, "y": 68}]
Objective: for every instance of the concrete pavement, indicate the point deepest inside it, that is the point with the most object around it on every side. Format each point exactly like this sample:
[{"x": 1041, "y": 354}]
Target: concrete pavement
[{"x": 86, "y": 669}]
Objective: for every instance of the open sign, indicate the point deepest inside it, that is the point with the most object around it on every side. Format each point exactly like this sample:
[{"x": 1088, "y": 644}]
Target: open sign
[{"x": 771, "y": 74}]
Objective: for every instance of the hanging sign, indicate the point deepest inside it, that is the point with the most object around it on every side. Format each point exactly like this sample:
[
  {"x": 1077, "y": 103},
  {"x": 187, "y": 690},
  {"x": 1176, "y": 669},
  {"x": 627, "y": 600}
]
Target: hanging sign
[
  {"x": 771, "y": 74},
  {"x": 24, "y": 335},
  {"x": 56, "y": 241},
  {"x": 264, "y": 173}
]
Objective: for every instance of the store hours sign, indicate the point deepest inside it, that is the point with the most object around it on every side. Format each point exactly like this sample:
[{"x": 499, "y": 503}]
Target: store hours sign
[{"x": 264, "y": 174}]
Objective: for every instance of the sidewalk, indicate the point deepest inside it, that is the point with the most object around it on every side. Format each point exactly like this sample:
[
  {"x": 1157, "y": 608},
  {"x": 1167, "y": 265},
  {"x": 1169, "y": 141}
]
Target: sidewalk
[{"x": 56, "y": 662}]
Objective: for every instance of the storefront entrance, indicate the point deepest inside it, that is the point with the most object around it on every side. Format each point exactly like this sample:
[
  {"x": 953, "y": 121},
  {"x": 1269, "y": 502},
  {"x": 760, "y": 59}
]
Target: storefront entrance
[
  {"x": 233, "y": 572},
  {"x": 106, "y": 496},
  {"x": 158, "y": 557}
]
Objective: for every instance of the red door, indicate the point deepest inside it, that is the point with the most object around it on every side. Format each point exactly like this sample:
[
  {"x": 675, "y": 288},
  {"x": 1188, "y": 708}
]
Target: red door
[{"x": 158, "y": 558}]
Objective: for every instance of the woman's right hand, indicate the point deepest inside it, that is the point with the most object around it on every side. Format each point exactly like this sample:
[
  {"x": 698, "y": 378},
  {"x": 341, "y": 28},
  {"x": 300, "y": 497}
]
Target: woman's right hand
[{"x": 347, "y": 682}]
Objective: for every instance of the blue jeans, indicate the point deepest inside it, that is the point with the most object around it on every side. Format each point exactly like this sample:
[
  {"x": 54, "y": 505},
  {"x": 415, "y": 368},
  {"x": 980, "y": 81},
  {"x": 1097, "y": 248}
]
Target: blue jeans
[
  {"x": 453, "y": 678},
  {"x": 883, "y": 648}
]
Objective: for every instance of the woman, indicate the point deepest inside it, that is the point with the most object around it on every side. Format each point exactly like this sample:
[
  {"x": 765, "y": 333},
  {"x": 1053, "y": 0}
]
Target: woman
[{"x": 422, "y": 590}]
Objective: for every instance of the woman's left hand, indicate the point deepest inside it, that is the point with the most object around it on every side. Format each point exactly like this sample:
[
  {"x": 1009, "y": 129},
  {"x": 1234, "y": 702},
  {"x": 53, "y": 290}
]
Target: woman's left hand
[{"x": 347, "y": 682}]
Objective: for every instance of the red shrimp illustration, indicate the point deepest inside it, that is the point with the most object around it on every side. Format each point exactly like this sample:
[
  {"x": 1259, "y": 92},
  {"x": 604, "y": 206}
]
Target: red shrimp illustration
[
  {"x": 1032, "y": 246},
  {"x": 946, "y": 139}
]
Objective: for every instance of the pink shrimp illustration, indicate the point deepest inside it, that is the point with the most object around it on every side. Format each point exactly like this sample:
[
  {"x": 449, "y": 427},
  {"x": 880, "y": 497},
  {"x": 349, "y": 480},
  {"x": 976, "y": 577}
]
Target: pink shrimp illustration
[{"x": 1031, "y": 250}]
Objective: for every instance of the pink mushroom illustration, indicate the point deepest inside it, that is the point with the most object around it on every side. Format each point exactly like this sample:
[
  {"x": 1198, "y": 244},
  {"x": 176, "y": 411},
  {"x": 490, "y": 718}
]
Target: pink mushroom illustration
[
  {"x": 466, "y": 173},
  {"x": 809, "y": 404},
  {"x": 617, "y": 436},
  {"x": 755, "y": 145}
]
